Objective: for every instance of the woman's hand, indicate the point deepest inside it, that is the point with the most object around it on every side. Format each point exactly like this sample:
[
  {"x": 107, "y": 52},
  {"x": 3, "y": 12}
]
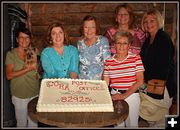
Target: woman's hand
[
  {"x": 31, "y": 66},
  {"x": 10, "y": 73},
  {"x": 118, "y": 96}
]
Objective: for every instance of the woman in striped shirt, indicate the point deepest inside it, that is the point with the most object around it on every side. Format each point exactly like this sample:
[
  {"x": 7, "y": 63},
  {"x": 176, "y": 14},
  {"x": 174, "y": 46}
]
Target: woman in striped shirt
[{"x": 124, "y": 74}]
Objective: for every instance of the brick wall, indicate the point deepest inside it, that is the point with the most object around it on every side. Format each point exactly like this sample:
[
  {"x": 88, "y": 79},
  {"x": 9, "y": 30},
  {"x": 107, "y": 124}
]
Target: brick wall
[{"x": 71, "y": 15}]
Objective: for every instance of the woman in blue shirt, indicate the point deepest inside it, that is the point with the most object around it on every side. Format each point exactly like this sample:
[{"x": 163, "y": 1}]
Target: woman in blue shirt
[{"x": 59, "y": 59}]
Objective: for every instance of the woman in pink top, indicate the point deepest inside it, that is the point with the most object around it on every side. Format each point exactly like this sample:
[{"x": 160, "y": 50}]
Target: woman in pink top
[
  {"x": 124, "y": 21},
  {"x": 123, "y": 72}
]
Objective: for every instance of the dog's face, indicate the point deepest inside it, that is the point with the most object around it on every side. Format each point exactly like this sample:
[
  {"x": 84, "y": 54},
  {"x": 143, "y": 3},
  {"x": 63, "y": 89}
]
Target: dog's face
[{"x": 30, "y": 55}]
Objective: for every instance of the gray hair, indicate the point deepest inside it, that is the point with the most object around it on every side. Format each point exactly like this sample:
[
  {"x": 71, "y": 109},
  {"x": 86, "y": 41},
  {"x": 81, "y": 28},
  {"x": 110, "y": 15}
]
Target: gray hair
[{"x": 123, "y": 33}]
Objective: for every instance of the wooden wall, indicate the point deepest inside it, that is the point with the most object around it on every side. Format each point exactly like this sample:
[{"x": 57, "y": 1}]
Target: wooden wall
[{"x": 71, "y": 15}]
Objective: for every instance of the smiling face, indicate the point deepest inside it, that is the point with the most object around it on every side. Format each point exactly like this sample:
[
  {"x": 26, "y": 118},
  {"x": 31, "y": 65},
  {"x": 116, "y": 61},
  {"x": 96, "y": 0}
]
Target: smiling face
[
  {"x": 23, "y": 40},
  {"x": 89, "y": 28},
  {"x": 151, "y": 24},
  {"x": 57, "y": 36},
  {"x": 122, "y": 45},
  {"x": 123, "y": 17}
]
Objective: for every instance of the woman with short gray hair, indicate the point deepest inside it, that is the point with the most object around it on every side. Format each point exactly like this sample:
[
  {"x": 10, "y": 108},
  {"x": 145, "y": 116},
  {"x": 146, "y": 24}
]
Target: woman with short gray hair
[{"x": 124, "y": 74}]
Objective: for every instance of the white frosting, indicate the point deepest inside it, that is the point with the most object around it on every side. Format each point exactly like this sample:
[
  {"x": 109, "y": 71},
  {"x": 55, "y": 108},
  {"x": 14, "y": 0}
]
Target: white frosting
[{"x": 74, "y": 95}]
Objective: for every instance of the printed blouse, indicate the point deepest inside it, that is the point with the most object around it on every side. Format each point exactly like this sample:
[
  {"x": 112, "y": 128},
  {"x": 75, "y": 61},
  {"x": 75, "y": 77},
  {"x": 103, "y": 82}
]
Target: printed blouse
[
  {"x": 138, "y": 39},
  {"x": 92, "y": 58}
]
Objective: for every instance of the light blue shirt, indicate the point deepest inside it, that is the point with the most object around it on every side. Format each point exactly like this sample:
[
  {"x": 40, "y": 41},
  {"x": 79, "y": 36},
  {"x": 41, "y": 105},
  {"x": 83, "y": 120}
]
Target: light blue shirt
[
  {"x": 59, "y": 66},
  {"x": 92, "y": 58}
]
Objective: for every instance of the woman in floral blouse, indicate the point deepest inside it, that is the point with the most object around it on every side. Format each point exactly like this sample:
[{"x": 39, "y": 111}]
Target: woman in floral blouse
[{"x": 93, "y": 50}]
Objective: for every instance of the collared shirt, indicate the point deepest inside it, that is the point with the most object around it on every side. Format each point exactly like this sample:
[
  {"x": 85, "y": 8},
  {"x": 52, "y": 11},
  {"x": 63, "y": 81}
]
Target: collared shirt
[
  {"x": 123, "y": 73},
  {"x": 92, "y": 58},
  {"x": 59, "y": 66}
]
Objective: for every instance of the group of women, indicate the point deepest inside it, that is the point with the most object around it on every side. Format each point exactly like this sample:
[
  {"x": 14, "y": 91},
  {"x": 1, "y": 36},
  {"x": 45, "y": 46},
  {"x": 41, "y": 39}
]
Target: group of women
[{"x": 125, "y": 57}]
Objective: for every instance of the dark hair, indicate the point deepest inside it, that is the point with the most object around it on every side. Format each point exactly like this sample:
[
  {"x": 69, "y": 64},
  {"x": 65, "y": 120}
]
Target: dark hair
[
  {"x": 48, "y": 37},
  {"x": 89, "y": 18},
  {"x": 129, "y": 8},
  {"x": 23, "y": 30}
]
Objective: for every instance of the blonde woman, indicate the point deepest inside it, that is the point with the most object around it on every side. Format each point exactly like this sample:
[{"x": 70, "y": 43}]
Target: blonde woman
[{"x": 157, "y": 55}]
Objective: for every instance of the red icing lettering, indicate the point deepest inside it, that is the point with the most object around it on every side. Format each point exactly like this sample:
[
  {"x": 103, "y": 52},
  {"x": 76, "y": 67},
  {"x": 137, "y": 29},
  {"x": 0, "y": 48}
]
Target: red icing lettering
[
  {"x": 58, "y": 85},
  {"x": 89, "y": 88},
  {"x": 78, "y": 83},
  {"x": 79, "y": 99}
]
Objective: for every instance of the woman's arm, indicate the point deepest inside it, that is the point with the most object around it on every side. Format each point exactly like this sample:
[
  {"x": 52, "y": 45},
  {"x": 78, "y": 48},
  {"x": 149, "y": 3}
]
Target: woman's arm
[
  {"x": 108, "y": 34},
  {"x": 10, "y": 73},
  {"x": 106, "y": 78},
  {"x": 163, "y": 55},
  {"x": 74, "y": 64},
  {"x": 105, "y": 75},
  {"x": 134, "y": 88},
  {"x": 47, "y": 66},
  {"x": 106, "y": 48}
]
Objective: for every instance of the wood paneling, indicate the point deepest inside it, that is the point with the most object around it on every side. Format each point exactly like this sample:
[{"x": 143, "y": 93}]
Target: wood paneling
[{"x": 71, "y": 15}]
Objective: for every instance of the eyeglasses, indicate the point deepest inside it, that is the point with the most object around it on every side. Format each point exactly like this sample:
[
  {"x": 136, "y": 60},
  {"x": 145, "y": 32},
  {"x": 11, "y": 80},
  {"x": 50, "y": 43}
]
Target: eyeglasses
[
  {"x": 123, "y": 14},
  {"x": 123, "y": 43},
  {"x": 93, "y": 27},
  {"x": 24, "y": 38}
]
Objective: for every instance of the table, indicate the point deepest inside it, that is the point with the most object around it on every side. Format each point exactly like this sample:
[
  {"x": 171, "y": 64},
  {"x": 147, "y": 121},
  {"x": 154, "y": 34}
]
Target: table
[{"x": 80, "y": 119}]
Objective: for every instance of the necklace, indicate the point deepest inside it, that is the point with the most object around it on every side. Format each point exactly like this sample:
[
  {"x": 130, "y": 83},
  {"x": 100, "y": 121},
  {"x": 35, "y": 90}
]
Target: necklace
[{"x": 59, "y": 50}]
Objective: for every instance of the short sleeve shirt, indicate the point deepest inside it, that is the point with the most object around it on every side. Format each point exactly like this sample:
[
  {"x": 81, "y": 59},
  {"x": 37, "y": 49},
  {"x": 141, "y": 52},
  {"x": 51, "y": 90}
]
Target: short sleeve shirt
[
  {"x": 122, "y": 74},
  {"x": 92, "y": 58},
  {"x": 59, "y": 66},
  {"x": 25, "y": 86}
]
